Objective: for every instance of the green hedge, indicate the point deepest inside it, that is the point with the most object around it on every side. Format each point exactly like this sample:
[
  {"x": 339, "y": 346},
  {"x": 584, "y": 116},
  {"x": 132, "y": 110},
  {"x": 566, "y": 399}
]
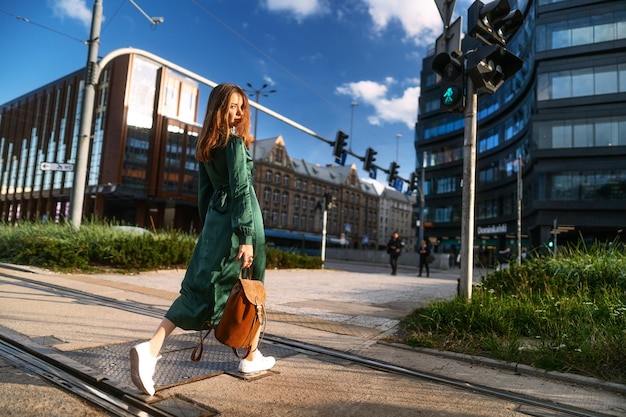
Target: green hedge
[{"x": 97, "y": 246}]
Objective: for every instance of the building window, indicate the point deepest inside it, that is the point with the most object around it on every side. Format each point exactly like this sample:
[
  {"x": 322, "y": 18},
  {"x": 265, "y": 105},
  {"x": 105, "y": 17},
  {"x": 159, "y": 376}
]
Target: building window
[
  {"x": 277, "y": 178},
  {"x": 173, "y": 159},
  {"x": 581, "y": 82},
  {"x": 279, "y": 155},
  {"x": 266, "y": 195},
  {"x": 286, "y": 180},
  {"x": 581, "y": 133},
  {"x": 268, "y": 175},
  {"x": 136, "y": 158},
  {"x": 586, "y": 186},
  {"x": 285, "y": 200},
  {"x": 283, "y": 218},
  {"x": 581, "y": 31},
  {"x": 296, "y": 202},
  {"x": 276, "y": 197}
]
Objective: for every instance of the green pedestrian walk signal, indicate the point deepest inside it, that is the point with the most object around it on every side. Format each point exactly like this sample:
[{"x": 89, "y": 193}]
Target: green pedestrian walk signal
[
  {"x": 451, "y": 96},
  {"x": 449, "y": 66}
]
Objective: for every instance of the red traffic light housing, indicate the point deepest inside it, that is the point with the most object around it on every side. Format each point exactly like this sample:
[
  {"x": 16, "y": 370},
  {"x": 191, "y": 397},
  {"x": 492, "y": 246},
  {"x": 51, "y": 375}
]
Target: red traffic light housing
[
  {"x": 370, "y": 157},
  {"x": 493, "y": 22},
  {"x": 413, "y": 182},
  {"x": 339, "y": 145},
  {"x": 393, "y": 173},
  {"x": 490, "y": 65}
]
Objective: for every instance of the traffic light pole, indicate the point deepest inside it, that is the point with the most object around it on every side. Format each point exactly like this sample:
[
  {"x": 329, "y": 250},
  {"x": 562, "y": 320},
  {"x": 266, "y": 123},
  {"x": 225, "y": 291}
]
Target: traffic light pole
[
  {"x": 469, "y": 193},
  {"x": 422, "y": 199}
]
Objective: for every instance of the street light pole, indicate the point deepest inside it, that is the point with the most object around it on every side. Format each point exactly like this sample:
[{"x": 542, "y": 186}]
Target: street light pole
[
  {"x": 256, "y": 93},
  {"x": 84, "y": 136},
  {"x": 92, "y": 76},
  {"x": 354, "y": 104},
  {"x": 519, "y": 209},
  {"x": 422, "y": 199},
  {"x": 398, "y": 136}
]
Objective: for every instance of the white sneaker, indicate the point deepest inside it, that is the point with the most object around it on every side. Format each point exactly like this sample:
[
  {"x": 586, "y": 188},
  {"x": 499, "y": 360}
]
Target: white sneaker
[
  {"x": 259, "y": 363},
  {"x": 142, "y": 365}
]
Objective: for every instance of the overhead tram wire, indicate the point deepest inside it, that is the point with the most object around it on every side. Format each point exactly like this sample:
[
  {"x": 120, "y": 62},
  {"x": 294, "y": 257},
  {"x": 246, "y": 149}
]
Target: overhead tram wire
[
  {"x": 266, "y": 55},
  {"x": 27, "y": 20}
]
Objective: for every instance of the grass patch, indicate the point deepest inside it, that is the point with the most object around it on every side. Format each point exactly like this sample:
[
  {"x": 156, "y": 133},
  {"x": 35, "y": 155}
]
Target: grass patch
[
  {"x": 566, "y": 313},
  {"x": 96, "y": 247}
]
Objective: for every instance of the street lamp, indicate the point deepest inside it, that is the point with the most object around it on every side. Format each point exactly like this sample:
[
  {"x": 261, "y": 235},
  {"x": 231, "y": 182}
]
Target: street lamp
[
  {"x": 398, "y": 136},
  {"x": 256, "y": 94},
  {"x": 354, "y": 104}
]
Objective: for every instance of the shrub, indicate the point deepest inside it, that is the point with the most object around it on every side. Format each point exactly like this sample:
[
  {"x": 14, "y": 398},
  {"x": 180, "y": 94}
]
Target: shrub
[
  {"x": 99, "y": 246},
  {"x": 566, "y": 313}
]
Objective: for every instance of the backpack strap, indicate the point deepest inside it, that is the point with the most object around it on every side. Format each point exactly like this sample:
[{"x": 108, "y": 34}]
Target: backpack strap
[{"x": 196, "y": 354}]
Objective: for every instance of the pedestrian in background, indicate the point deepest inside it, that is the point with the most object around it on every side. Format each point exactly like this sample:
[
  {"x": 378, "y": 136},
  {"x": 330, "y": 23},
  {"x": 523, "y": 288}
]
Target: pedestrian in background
[
  {"x": 232, "y": 236},
  {"x": 394, "y": 249},
  {"x": 424, "y": 253}
]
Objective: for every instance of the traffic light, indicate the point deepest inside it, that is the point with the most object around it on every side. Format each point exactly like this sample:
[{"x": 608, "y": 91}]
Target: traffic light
[
  {"x": 329, "y": 201},
  {"x": 393, "y": 173},
  {"x": 493, "y": 22},
  {"x": 341, "y": 140},
  {"x": 490, "y": 65},
  {"x": 413, "y": 182},
  {"x": 370, "y": 157},
  {"x": 449, "y": 66}
]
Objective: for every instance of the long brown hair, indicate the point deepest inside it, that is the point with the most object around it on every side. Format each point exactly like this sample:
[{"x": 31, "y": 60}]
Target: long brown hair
[{"x": 216, "y": 129}]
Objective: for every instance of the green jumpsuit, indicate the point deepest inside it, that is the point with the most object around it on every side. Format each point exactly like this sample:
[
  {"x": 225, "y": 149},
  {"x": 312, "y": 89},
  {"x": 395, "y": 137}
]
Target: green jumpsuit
[{"x": 228, "y": 205}]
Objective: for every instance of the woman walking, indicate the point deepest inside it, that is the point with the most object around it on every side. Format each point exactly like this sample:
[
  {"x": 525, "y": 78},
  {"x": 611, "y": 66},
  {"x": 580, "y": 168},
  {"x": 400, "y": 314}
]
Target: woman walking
[{"x": 232, "y": 236}]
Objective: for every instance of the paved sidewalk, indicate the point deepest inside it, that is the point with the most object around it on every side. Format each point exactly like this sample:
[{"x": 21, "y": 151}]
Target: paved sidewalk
[{"x": 353, "y": 312}]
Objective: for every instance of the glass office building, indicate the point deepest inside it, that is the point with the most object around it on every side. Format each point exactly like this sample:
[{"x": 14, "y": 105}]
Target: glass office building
[
  {"x": 142, "y": 167},
  {"x": 560, "y": 122}
]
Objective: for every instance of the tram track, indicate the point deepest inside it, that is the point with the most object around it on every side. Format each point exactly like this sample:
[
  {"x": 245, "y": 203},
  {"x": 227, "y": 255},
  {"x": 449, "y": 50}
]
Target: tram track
[
  {"x": 97, "y": 393},
  {"x": 119, "y": 403}
]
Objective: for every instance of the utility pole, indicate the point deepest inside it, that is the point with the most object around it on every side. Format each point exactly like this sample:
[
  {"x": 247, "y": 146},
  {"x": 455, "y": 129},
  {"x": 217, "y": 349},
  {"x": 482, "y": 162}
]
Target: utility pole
[
  {"x": 92, "y": 75},
  {"x": 84, "y": 136}
]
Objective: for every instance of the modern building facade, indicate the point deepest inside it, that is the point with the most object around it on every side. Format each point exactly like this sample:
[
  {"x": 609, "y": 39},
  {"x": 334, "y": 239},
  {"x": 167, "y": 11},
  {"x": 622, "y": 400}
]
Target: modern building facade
[
  {"x": 141, "y": 167},
  {"x": 559, "y": 122}
]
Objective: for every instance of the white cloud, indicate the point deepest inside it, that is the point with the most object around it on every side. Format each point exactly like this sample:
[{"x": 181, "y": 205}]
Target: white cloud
[
  {"x": 73, "y": 9},
  {"x": 300, "y": 9},
  {"x": 420, "y": 19},
  {"x": 387, "y": 109}
]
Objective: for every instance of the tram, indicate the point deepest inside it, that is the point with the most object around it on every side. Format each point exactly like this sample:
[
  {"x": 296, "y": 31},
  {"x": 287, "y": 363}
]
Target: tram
[{"x": 302, "y": 243}]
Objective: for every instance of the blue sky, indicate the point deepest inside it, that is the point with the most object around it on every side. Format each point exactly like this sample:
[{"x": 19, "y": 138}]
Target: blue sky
[{"x": 319, "y": 55}]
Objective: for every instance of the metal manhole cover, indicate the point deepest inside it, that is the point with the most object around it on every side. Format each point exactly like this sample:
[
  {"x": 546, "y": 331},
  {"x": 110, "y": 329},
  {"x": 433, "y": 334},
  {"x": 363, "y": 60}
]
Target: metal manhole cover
[{"x": 175, "y": 367}]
